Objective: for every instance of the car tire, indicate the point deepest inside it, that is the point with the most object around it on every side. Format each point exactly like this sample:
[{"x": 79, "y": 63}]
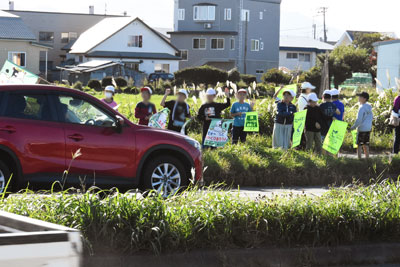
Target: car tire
[
  {"x": 4, "y": 176},
  {"x": 165, "y": 173}
]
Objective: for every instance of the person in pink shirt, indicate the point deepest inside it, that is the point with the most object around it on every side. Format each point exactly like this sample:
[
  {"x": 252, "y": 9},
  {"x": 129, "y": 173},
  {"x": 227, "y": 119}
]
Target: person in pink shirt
[
  {"x": 109, "y": 93},
  {"x": 396, "y": 111}
]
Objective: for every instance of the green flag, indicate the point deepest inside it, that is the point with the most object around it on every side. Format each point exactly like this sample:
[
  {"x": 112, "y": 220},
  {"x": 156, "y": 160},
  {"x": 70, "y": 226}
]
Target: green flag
[
  {"x": 251, "y": 123},
  {"x": 334, "y": 140},
  {"x": 14, "y": 74},
  {"x": 354, "y": 134},
  {"x": 217, "y": 135},
  {"x": 292, "y": 87},
  {"x": 298, "y": 125}
]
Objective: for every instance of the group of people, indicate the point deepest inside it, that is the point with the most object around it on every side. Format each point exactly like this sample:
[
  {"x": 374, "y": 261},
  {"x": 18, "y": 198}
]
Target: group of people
[{"x": 318, "y": 120}]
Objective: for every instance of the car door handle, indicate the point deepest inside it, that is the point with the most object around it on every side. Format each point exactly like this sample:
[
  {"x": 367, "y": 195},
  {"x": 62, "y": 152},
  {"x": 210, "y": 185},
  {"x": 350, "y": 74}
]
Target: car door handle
[
  {"x": 8, "y": 129},
  {"x": 76, "y": 137}
]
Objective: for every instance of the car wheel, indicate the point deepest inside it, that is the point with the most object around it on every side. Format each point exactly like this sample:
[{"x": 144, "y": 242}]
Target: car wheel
[
  {"x": 4, "y": 176},
  {"x": 166, "y": 175}
]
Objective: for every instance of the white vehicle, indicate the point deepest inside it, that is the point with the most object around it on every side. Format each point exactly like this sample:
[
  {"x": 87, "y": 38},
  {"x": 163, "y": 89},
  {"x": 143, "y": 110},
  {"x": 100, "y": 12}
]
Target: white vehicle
[{"x": 28, "y": 242}]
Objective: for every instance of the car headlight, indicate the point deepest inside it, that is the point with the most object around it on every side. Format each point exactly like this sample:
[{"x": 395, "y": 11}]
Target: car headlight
[{"x": 193, "y": 142}]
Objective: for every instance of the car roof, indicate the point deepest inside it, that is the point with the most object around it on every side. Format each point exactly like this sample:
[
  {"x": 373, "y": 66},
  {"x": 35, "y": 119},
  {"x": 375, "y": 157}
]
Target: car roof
[{"x": 24, "y": 87}]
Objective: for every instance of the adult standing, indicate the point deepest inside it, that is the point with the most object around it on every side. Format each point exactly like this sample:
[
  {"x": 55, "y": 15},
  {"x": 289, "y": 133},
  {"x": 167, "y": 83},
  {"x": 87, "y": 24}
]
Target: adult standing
[
  {"x": 396, "y": 109},
  {"x": 306, "y": 89}
]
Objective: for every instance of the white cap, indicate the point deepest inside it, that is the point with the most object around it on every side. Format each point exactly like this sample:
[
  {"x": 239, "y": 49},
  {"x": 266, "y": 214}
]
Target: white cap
[
  {"x": 307, "y": 85},
  {"x": 290, "y": 92},
  {"x": 110, "y": 88},
  {"x": 335, "y": 92},
  {"x": 312, "y": 97},
  {"x": 184, "y": 92},
  {"x": 327, "y": 92},
  {"x": 211, "y": 91},
  {"x": 242, "y": 91}
]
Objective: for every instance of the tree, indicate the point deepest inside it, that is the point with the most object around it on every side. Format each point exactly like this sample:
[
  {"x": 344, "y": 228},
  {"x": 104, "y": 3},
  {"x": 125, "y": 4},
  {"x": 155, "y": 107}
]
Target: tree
[{"x": 276, "y": 76}]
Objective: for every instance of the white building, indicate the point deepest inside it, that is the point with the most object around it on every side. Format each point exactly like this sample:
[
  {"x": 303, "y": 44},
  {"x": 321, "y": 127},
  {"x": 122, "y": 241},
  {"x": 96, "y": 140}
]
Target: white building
[
  {"x": 128, "y": 41},
  {"x": 300, "y": 53},
  {"x": 348, "y": 37},
  {"x": 388, "y": 62}
]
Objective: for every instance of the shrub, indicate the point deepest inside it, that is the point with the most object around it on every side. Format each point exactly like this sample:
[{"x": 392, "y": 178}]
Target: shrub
[
  {"x": 106, "y": 81},
  {"x": 199, "y": 75},
  {"x": 121, "y": 82},
  {"x": 78, "y": 86},
  {"x": 276, "y": 76},
  {"x": 248, "y": 78},
  {"x": 95, "y": 84},
  {"x": 234, "y": 75}
]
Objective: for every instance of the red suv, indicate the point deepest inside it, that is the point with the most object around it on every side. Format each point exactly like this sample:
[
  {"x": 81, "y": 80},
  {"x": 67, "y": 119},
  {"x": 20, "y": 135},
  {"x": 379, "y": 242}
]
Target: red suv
[{"x": 41, "y": 127}]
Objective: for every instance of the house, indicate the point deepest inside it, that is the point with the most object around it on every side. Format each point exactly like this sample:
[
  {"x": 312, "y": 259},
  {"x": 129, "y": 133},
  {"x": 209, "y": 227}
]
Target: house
[
  {"x": 226, "y": 34},
  {"x": 136, "y": 47},
  {"x": 388, "y": 68},
  {"x": 19, "y": 44},
  {"x": 348, "y": 36},
  {"x": 57, "y": 30},
  {"x": 300, "y": 53}
]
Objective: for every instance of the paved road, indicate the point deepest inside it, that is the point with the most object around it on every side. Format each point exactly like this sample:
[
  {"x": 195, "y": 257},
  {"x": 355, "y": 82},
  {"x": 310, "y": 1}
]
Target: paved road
[{"x": 256, "y": 192}]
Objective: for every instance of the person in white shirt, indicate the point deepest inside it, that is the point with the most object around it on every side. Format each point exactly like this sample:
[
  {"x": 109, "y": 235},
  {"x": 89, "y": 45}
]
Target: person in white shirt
[{"x": 306, "y": 89}]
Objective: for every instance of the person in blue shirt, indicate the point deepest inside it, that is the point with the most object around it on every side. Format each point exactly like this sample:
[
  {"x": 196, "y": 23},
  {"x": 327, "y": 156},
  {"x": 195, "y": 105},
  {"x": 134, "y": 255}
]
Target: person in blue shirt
[
  {"x": 339, "y": 105},
  {"x": 238, "y": 112}
]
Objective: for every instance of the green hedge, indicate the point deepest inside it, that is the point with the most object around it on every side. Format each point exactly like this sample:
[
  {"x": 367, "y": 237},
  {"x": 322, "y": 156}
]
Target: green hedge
[
  {"x": 124, "y": 224},
  {"x": 276, "y": 76},
  {"x": 200, "y": 75}
]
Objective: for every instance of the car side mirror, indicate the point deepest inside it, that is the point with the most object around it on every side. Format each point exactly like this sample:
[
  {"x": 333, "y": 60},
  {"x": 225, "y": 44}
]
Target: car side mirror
[{"x": 119, "y": 123}]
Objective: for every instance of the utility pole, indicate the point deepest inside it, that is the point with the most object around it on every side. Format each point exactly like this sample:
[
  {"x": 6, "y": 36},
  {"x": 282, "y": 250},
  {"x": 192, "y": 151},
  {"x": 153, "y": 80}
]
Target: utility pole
[
  {"x": 323, "y": 11},
  {"x": 245, "y": 42},
  {"x": 314, "y": 26}
]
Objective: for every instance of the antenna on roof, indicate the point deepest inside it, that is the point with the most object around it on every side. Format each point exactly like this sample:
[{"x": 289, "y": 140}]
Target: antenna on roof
[{"x": 105, "y": 8}]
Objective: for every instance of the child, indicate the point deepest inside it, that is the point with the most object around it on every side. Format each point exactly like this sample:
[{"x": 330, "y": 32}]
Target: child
[
  {"x": 329, "y": 109},
  {"x": 109, "y": 93},
  {"x": 145, "y": 109},
  {"x": 363, "y": 124},
  {"x": 179, "y": 110},
  {"x": 306, "y": 89},
  {"x": 212, "y": 110},
  {"x": 314, "y": 123},
  {"x": 238, "y": 112},
  {"x": 339, "y": 105},
  {"x": 284, "y": 121}
]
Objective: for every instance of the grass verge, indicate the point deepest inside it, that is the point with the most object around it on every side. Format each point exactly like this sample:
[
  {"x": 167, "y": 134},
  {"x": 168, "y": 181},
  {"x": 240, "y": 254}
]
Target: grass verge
[{"x": 125, "y": 224}]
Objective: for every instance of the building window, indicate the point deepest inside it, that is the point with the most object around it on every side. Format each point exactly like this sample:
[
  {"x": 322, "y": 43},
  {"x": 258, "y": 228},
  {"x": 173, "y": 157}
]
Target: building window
[
  {"x": 46, "y": 36},
  {"x": 228, "y": 14},
  {"x": 304, "y": 57},
  {"x": 184, "y": 54},
  {"x": 218, "y": 43},
  {"x": 135, "y": 41},
  {"x": 204, "y": 13},
  {"x": 259, "y": 71},
  {"x": 255, "y": 45},
  {"x": 261, "y": 45},
  {"x": 161, "y": 68},
  {"x": 245, "y": 15},
  {"x": 18, "y": 58},
  {"x": 232, "y": 43},
  {"x": 66, "y": 37},
  {"x": 199, "y": 43},
  {"x": 291, "y": 55},
  {"x": 132, "y": 66},
  {"x": 261, "y": 15},
  {"x": 181, "y": 14}
]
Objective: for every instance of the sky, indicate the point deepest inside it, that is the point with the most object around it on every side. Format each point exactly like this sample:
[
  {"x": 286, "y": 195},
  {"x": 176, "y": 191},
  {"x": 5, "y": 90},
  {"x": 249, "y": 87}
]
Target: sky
[{"x": 297, "y": 16}]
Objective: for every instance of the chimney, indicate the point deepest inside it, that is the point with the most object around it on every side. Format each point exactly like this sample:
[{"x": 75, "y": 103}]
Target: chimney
[
  {"x": 125, "y": 13},
  {"x": 11, "y": 5},
  {"x": 91, "y": 10}
]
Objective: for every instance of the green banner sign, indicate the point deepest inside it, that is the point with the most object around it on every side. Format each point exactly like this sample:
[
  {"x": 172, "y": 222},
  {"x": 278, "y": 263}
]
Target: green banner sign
[
  {"x": 159, "y": 120},
  {"x": 334, "y": 140},
  {"x": 298, "y": 125},
  {"x": 14, "y": 74},
  {"x": 354, "y": 134},
  {"x": 217, "y": 135},
  {"x": 251, "y": 123},
  {"x": 292, "y": 87}
]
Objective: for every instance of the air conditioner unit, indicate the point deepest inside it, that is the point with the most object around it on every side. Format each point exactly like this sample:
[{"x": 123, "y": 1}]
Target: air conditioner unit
[{"x": 207, "y": 26}]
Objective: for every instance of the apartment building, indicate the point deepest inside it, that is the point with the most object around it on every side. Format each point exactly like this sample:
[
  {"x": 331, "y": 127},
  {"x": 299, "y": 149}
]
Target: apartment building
[{"x": 228, "y": 34}]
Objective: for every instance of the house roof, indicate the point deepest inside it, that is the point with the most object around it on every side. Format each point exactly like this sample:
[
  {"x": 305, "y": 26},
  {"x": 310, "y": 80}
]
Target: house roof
[
  {"x": 389, "y": 42},
  {"x": 206, "y": 32},
  {"x": 13, "y": 28},
  {"x": 303, "y": 44},
  {"x": 133, "y": 55},
  {"x": 104, "y": 30}
]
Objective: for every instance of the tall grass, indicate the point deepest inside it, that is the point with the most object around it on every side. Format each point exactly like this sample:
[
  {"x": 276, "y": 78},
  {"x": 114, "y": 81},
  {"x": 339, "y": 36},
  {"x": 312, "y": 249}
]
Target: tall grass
[{"x": 128, "y": 223}]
